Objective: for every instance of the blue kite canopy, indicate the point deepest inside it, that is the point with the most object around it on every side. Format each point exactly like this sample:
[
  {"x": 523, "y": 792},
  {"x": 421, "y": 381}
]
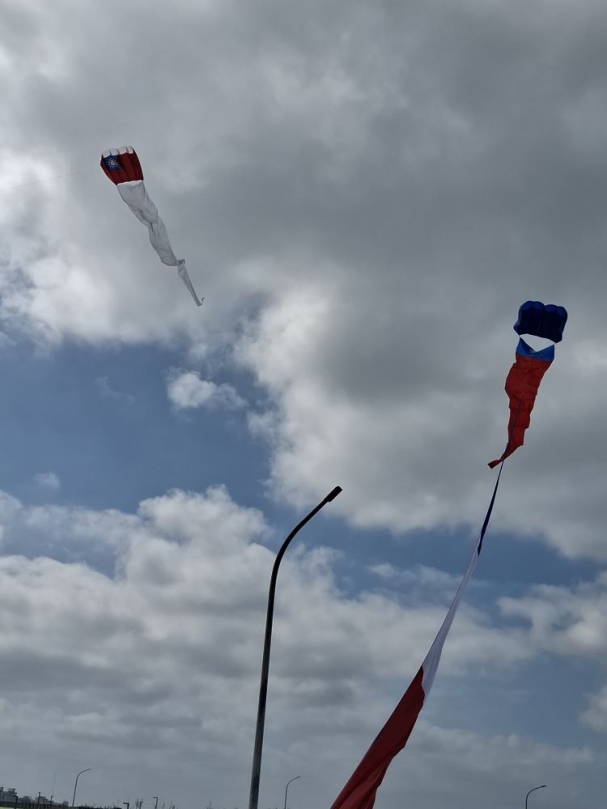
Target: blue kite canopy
[{"x": 541, "y": 320}]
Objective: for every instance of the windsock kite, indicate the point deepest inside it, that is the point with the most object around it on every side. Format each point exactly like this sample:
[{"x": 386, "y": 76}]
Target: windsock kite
[
  {"x": 522, "y": 384},
  {"x": 524, "y": 379},
  {"x": 123, "y": 168}
]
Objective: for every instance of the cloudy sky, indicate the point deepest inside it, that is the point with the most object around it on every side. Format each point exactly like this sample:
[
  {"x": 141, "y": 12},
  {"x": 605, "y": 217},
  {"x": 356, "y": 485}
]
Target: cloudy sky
[{"x": 365, "y": 191}]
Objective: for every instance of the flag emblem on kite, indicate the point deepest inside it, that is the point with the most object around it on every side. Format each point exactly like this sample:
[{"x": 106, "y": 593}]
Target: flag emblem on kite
[{"x": 123, "y": 168}]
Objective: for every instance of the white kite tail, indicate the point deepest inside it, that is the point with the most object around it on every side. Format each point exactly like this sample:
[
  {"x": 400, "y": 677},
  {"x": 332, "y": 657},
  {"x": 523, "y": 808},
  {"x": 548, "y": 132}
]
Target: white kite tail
[
  {"x": 430, "y": 664},
  {"x": 136, "y": 197},
  {"x": 432, "y": 659}
]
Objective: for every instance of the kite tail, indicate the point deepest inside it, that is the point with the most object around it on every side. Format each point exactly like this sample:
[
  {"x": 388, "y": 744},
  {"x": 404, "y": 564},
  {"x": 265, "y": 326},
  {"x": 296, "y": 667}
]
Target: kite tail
[
  {"x": 136, "y": 197},
  {"x": 183, "y": 274},
  {"x": 360, "y": 791}
]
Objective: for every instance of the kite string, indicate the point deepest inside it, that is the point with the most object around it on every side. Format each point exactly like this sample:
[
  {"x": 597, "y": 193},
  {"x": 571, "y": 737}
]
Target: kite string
[{"x": 43, "y": 180}]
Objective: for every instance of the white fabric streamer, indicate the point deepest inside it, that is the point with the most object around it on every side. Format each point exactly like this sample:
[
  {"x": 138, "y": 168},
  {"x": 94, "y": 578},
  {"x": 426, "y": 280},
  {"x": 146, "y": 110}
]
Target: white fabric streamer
[{"x": 135, "y": 195}]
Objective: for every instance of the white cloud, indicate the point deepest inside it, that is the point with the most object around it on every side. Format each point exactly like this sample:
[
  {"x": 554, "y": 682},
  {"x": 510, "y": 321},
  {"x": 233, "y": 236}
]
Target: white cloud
[
  {"x": 596, "y": 715},
  {"x": 107, "y": 392},
  {"x": 48, "y": 481},
  {"x": 503, "y": 767},
  {"x": 420, "y": 583},
  {"x": 158, "y": 661},
  {"x": 187, "y": 390},
  {"x": 363, "y": 220},
  {"x": 569, "y": 621},
  {"x": 407, "y": 426}
]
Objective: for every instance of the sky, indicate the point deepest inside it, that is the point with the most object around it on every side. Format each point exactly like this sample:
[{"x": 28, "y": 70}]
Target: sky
[{"x": 364, "y": 193}]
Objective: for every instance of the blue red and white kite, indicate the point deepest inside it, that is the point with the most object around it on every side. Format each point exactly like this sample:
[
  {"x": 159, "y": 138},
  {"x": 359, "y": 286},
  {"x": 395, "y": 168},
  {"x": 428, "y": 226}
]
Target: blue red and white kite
[
  {"x": 524, "y": 379},
  {"x": 123, "y": 168},
  {"x": 521, "y": 386}
]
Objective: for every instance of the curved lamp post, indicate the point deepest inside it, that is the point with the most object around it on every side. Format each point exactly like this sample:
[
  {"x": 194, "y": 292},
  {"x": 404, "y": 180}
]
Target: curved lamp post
[
  {"x": 265, "y": 663},
  {"x": 543, "y": 786},
  {"x": 88, "y": 769},
  {"x": 287, "y": 788}
]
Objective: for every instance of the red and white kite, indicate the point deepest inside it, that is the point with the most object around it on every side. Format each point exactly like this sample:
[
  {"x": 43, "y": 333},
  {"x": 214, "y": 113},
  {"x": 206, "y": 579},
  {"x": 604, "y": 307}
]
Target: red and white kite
[{"x": 123, "y": 168}]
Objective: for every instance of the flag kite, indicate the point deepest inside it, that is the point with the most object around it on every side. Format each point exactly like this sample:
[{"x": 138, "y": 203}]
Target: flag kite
[
  {"x": 524, "y": 378},
  {"x": 360, "y": 791},
  {"x": 123, "y": 168}
]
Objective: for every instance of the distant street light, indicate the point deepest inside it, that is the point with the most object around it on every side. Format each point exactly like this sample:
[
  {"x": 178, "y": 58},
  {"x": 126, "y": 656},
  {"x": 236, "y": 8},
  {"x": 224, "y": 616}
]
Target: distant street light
[
  {"x": 543, "y": 786},
  {"x": 88, "y": 769},
  {"x": 287, "y": 788},
  {"x": 155, "y": 799},
  {"x": 265, "y": 664}
]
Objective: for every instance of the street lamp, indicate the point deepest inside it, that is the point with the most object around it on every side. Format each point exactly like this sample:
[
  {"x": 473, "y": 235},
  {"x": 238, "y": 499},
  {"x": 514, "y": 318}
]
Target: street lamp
[
  {"x": 155, "y": 799},
  {"x": 88, "y": 769},
  {"x": 543, "y": 786},
  {"x": 265, "y": 663},
  {"x": 287, "y": 788}
]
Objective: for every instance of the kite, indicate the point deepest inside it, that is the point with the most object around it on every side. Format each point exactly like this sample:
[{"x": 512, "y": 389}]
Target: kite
[
  {"x": 123, "y": 168},
  {"x": 524, "y": 378}
]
